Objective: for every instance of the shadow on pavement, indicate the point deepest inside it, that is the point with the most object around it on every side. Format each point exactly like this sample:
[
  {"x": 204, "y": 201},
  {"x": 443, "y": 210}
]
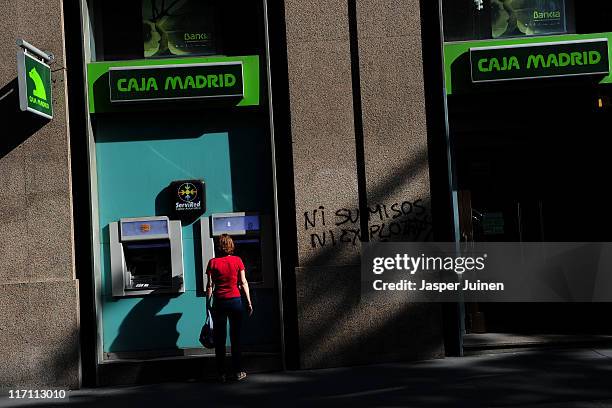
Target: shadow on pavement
[{"x": 565, "y": 378}]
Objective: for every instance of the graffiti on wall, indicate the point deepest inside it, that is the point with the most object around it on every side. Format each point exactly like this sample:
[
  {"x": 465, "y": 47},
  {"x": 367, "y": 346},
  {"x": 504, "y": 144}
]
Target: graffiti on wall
[{"x": 407, "y": 220}]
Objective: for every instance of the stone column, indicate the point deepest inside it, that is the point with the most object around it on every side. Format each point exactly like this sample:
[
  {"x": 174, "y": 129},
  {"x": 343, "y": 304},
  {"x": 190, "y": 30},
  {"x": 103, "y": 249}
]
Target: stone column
[
  {"x": 38, "y": 289},
  {"x": 335, "y": 326}
]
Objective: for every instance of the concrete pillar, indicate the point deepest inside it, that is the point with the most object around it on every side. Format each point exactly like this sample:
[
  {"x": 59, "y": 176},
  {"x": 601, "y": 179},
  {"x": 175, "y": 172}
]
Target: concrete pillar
[
  {"x": 396, "y": 160},
  {"x": 38, "y": 289},
  {"x": 335, "y": 326}
]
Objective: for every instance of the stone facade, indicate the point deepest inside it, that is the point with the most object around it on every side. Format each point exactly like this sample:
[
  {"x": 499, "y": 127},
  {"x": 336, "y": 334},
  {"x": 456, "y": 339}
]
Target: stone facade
[
  {"x": 326, "y": 50},
  {"x": 38, "y": 289},
  {"x": 331, "y": 46}
]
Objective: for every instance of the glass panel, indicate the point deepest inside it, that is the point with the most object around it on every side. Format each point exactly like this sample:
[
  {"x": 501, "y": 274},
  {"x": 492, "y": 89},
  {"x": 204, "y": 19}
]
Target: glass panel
[
  {"x": 126, "y": 30},
  {"x": 178, "y": 28},
  {"x": 466, "y": 20},
  {"x": 519, "y": 18}
]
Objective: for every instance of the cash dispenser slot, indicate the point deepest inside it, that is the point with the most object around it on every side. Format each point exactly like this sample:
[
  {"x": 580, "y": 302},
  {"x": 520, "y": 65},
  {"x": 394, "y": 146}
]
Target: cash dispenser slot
[{"x": 146, "y": 256}]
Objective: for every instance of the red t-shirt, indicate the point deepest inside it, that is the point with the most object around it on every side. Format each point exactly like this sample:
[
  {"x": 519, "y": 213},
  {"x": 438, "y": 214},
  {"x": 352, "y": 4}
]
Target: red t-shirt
[{"x": 224, "y": 272}]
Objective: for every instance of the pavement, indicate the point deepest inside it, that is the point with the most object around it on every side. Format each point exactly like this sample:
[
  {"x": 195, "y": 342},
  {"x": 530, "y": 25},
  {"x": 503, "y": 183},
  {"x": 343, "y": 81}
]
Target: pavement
[{"x": 537, "y": 378}]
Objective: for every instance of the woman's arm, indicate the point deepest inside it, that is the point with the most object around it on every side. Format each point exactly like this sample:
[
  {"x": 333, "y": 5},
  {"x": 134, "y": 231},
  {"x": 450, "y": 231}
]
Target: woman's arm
[
  {"x": 209, "y": 287},
  {"x": 209, "y": 281},
  {"x": 245, "y": 287}
]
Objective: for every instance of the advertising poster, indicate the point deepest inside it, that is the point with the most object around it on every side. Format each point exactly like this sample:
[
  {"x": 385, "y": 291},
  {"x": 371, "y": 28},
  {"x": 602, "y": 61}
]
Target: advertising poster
[
  {"x": 178, "y": 28},
  {"x": 517, "y": 18}
]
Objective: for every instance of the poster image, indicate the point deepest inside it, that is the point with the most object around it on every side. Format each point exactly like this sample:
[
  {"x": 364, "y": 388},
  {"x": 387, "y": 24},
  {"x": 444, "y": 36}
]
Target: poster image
[
  {"x": 517, "y": 18},
  {"x": 178, "y": 28}
]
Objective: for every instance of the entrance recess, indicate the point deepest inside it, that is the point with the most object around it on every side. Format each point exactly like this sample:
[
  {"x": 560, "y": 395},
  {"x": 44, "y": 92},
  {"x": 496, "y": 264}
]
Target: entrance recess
[{"x": 532, "y": 164}]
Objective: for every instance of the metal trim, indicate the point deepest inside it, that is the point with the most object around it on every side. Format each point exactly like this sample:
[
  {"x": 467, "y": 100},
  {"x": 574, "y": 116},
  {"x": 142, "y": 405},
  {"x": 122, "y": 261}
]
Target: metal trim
[
  {"x": 197, "y": 64},
  {"x": 48, "y": 57},
  {"x": 538, "y": 44},
  {"x": 279, "y": 276}
]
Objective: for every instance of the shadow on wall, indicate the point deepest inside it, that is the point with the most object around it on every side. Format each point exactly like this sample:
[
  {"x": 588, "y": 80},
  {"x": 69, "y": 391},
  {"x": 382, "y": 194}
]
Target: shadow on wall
[
  {"x": 402, "y": 220},
  {"x": 143, "y": 329},
  {"x": 163, "y": 206},
  {"x": 59, "y": 365},
  {"x": 347, "y": 329},
  {"x": 44, "y": 352},
  {"x": 251, "y": 165},
  {"x": 22, "y": 125}
]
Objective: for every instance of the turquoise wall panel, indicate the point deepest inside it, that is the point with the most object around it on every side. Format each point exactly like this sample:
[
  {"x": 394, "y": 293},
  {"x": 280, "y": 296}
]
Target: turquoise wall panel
[
  {"x": 131, "y": 174},
  {"x": 137, "y": 157},
  {"x": 153, "y": 323}
]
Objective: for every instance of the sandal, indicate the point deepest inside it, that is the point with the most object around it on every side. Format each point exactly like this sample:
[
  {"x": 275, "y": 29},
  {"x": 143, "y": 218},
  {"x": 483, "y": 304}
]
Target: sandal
[{"x": 241, "y": 376}]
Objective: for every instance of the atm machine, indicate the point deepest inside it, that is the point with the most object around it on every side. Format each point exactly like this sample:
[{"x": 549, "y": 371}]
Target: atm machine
[
  {"x": 253, "y": 239},
  {"x": 146, "y": 256},
  {"x": 253, "y": 235}
]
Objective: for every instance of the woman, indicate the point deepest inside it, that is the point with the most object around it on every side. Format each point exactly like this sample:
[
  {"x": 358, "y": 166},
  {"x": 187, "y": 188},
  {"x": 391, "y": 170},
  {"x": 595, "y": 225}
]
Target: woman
[{"x": 226, "y": 276}]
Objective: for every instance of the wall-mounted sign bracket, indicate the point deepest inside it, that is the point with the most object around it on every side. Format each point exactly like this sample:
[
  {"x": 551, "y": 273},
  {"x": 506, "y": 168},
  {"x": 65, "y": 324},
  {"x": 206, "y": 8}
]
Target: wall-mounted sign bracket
[{"x": 32, "y": 50}]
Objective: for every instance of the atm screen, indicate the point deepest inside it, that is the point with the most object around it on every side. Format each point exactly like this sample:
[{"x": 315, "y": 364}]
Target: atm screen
[
  {"x": 235, "y": 223},
  {"x": 144, "y": 228},
  {"x": 249, "y": 250},
  {"x": 148, "y": 264}
]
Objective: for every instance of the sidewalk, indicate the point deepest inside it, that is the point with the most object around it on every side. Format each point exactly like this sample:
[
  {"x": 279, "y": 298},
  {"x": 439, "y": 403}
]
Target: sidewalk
[{"x": 543, "y": 378}]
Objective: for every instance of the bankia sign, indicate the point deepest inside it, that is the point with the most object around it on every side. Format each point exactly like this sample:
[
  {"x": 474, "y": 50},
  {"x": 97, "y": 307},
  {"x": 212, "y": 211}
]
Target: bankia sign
[
  {"x": 540, "y": 60},
  {"x": 176, "y": 82}
]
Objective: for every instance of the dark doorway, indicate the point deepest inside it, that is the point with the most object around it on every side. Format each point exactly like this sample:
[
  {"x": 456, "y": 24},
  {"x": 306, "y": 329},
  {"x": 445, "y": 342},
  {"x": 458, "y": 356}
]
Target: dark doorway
[{"x": 532, "y": 163}]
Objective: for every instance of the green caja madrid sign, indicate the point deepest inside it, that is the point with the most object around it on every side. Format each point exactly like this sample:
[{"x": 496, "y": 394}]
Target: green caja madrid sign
[
  {"x": 176, "y": 82},
  {"x": 540, "y": 60},
  {"x": 34, "y": 78}
]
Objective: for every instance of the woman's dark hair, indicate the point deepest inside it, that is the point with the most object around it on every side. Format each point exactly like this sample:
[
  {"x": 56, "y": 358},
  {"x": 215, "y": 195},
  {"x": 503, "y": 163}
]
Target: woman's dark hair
[{"x": 226, "y": 244}]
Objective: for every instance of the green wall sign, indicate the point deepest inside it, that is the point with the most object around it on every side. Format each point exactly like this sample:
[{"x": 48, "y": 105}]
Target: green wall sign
[
  {"x": 540, "y": 60},
  {"x": 34, "y": 79},
  {"x": 176, "y": 82},
  {"x": 189, "y": 81}
]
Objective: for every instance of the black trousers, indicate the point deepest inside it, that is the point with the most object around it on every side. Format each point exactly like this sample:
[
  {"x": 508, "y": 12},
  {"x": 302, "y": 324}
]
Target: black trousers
[{"x": 224, "y": 309}]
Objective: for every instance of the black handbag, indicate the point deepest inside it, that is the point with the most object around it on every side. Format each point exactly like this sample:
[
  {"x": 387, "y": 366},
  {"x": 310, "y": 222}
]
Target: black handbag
[{"x": 207, "y": 334}]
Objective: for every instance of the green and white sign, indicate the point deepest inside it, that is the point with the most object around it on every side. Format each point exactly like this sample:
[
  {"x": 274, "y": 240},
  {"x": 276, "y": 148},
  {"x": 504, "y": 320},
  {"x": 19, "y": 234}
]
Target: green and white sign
[
  {"x": 176, "y": 82},
  {"x": 34, "y": 78},
  {"x": 540, "y": 60}
]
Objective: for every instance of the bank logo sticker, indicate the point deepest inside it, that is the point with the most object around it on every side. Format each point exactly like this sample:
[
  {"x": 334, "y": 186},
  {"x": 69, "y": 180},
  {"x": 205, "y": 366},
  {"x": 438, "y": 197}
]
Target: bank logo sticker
[
  {"x": 188, "y": 198},
  {"x": 187, "y": 192}
]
